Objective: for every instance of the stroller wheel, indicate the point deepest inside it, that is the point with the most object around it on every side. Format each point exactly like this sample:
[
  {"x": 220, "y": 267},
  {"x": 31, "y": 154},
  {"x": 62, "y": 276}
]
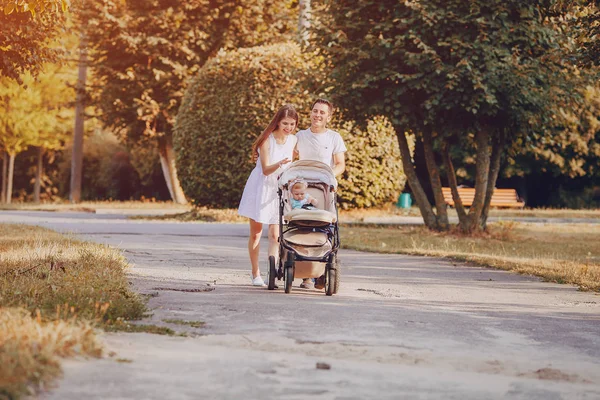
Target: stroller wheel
[
  {"x": 289, "y": 277},
  {"x": 331, "y": 285},
  {"x": 338, "y": 275},
  {"x": 272, "y": 273}
]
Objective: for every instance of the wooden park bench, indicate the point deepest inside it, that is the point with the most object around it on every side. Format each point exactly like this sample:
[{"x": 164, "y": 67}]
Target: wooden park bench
[{"x": 501, "y": 198}]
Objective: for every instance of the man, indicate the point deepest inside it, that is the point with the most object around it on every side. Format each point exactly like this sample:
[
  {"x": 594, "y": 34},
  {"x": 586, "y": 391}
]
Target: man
[{"x": 321, "y": 144}]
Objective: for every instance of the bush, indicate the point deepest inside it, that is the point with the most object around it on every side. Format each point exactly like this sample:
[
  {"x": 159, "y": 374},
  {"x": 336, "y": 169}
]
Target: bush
[
  {"x": 231, "y": 101},
  {"x": 374, "y": 174},
  {"x": 107, "y": 170},
  {"x": 227, "y": 105}
]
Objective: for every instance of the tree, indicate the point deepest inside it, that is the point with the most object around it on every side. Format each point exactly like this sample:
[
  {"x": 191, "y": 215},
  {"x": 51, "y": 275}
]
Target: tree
[
  {"x": 32, "y": 115},
  {"x": 55, "y": 93},
  {"x": 145, "y": 52},
  {"x": 33, "y": 6},
  {"x": 475, "y": 75},
  {"x": 583, "y": 25},
  {"x": 27, "y": 34},
  {"x": 16, "y": 125}
]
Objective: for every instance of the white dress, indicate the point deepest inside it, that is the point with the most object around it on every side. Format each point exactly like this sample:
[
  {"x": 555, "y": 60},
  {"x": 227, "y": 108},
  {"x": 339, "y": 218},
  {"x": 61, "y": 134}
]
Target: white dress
[{"x": 259, "y": 200}]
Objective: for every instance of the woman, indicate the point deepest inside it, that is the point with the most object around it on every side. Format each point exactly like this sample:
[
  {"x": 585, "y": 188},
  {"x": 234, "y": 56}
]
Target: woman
[{"x": 274, "y": 148}]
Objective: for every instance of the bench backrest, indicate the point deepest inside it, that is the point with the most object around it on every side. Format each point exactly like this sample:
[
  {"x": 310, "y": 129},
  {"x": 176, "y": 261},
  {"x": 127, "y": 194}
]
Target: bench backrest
[{"x": 500, "y": 197}]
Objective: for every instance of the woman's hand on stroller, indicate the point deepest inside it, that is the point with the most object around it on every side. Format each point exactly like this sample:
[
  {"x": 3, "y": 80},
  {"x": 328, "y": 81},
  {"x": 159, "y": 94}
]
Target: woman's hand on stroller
[{"x": 284, "y": 161}]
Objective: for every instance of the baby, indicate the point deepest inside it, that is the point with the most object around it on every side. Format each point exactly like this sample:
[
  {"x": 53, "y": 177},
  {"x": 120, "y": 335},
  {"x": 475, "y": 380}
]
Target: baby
[{"x": 299, "y": 195}]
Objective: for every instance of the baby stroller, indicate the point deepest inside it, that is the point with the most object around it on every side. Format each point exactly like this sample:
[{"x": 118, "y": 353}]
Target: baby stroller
[{"x": 308, "y": 238}]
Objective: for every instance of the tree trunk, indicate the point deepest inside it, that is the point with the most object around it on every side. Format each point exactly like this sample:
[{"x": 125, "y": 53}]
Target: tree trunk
[
  {"x": 497, "y": 151},
  {"x": 77, "y": 152},
  {"x": 304, "y": 21},
  {"x": 451, "y": 175},
  {"x": 482, "y": 165},
  {"x": 167, "y": 162},
  {"x": 436, "y": 183},
  {"x": 4, "y": 176},
  {"x": 9, "y": 184},
  {"x": 38, "y": 175},
  {"x": 411, "y": 177}
]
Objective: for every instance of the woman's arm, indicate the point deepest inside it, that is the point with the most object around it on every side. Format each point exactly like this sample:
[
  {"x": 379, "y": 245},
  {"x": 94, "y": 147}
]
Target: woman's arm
[{"x": 268, "y": 168}]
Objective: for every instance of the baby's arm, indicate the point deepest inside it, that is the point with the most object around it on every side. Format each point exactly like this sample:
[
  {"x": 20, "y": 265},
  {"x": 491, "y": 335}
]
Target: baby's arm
[{"x": 312, "y": 200}]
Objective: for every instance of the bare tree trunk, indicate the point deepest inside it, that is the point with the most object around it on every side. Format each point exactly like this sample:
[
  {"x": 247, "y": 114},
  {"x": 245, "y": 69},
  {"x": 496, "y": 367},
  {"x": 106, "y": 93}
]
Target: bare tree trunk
[
  {"x": 164, "y": 166},
  {"x": 11, "y": 171},
  {"x": 167, "y": 163},
  {"x": 411, "y": 176},
  {"x": 304, "y": 21},
  {"x": 4, "y": 176},
  {"x": 436, "y": 183},
  {"x": 77, "y": 155},
  {"x": 482, "y": 165},
  {"x": 451, "y": 175},
  {"x": 497, "y": 151},
  {"x": 38, "y": 175}
]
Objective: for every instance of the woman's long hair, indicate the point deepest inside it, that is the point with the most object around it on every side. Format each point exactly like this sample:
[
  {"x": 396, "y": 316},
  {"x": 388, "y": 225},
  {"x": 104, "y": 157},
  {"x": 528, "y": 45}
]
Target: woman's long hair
[{"x": 287, "y": 111}]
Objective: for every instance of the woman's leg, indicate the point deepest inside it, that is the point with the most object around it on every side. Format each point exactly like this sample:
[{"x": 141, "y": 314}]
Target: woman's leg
[
  {"x": 254, "y": 246},
  {"x": 274, "y": 241}
]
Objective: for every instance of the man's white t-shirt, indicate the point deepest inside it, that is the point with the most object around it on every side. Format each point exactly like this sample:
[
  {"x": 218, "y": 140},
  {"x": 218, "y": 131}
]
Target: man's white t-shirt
[{"x": 320, "y": 146}]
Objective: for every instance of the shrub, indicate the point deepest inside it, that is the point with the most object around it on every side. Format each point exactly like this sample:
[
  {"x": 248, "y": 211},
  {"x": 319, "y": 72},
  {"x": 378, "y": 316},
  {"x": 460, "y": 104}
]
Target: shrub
[
  {"x": 231, "y": 101},
  {"x": 374, "y": 174},
  {"x": 107, "y": 170}
]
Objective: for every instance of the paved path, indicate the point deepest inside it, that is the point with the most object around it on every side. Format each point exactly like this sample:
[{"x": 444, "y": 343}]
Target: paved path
[{"x": 401, "y": 327}]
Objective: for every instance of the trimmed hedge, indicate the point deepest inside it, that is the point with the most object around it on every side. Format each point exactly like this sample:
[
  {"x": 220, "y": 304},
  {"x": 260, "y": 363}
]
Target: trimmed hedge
[{"x": 233, "y": 98}]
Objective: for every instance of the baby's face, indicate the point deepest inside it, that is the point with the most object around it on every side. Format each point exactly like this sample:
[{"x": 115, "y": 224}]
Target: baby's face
[{"x": 298, "y": 193}]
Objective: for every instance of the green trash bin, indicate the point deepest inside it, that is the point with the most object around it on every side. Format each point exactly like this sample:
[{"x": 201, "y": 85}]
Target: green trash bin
[{"x": 404, "y": 201}]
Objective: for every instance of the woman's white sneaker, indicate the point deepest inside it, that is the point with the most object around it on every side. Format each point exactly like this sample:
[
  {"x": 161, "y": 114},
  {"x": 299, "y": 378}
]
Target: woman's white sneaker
[{"x": 258, "y": 281}]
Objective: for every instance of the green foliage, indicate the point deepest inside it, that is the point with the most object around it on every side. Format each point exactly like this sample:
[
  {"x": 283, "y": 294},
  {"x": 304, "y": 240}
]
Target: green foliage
[
  {"x": 27, "y": 42},
  {"x": 374, "y": 174},
  {"x": 33, "y": 6},
  {"x": 569, "y": 147},
  {"x": 107, "y": 170},
  {"x": 145, "y": 52},
  {"x": 35, "y": 114},
  {"x": 497, "y": 69},
  {"x": 582, "y": 20},
  {"x": 452, "y": 65},
  {"x": 226, "y": 107}
]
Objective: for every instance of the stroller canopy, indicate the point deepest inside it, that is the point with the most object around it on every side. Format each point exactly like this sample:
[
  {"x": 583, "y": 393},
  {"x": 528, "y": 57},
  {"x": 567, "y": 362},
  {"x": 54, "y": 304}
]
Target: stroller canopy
[{"x": 310, "y": 171}]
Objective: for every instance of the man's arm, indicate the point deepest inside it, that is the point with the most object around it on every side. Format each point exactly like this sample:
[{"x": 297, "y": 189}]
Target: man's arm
[{"x": 339, "y": 163}]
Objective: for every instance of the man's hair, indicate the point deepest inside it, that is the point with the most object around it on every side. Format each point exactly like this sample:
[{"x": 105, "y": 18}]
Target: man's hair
[{"x": 326, "y": 102}]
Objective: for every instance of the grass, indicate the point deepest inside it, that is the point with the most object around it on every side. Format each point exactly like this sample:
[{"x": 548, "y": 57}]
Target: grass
[
  {"x": 70, "y": 287},
  {"x": 230, "y": 215},
  {"x": 92, "y": 206},
  {"x": 391, "y": 210},
  {"x": 193, "y": 324},
  {"x": 563, "y": 253},
  {"x": 30, "y": 348},
  {"x": 200, "y": 214},
  {"x": 140, "y": 328}
]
